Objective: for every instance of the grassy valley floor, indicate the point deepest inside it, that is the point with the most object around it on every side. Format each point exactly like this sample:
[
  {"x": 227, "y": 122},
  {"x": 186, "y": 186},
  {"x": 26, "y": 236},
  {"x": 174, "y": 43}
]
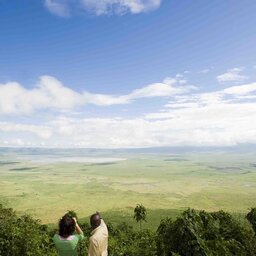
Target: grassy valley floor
[{"x": 165, "y": 184}]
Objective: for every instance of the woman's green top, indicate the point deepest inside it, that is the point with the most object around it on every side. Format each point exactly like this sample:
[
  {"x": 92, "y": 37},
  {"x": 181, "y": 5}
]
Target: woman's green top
[{"x": 67, "y": 246}]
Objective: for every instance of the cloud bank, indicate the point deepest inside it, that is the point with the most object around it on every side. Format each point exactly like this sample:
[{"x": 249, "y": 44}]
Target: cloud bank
[
  {"x": 49, "y": 93},
  {"x": 189, "y": 117}
]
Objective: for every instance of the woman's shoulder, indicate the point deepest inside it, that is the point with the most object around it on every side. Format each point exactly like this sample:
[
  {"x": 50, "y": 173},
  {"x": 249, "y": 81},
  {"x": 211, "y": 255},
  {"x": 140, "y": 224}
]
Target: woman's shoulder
[
  {"x": 56, "y": 237},
  {"x": 71, "y": 238},
  {"x": 79, "y": 236}
]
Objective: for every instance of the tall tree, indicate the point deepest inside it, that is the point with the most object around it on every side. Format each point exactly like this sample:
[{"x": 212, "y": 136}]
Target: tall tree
[{"x": 140, "y": 213}]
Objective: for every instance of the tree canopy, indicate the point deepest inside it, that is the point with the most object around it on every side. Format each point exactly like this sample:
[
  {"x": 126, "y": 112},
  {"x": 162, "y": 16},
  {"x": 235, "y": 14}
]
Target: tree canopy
[
  {"x": 196, "y": 233},
  {"x": 140, "y": 213}
]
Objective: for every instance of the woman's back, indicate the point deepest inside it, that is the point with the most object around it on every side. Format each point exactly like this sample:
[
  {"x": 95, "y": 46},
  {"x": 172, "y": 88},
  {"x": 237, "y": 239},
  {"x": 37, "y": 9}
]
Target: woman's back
[
  {"x": 66, "y": 241},
  {"x": 67, "y": 246}
]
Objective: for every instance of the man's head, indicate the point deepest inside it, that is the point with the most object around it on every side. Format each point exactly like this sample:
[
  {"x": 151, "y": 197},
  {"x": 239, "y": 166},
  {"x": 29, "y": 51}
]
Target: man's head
[{"x": 95, "y": 220}]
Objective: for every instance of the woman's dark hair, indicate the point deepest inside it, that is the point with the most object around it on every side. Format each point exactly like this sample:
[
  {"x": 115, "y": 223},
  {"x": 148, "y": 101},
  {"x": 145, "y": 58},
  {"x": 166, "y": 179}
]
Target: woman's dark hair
[{"x": 66, "y": 226}]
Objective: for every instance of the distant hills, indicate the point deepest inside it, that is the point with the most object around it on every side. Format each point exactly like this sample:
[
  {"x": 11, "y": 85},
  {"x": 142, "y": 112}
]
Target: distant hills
[{"x": 243, "y": 148}]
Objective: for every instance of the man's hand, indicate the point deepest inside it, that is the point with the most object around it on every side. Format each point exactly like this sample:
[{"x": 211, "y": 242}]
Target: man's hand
[{"x": 99, "y": 215}]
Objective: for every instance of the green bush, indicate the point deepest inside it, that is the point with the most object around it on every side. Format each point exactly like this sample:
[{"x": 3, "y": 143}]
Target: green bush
[
  {"x": 123, "y": 240},
  {"x": 194, "y": 233},
  {"x": 23, "y": 235},
  {"x": 251, "y": 217},
  {"x": 201, "y": 233}
]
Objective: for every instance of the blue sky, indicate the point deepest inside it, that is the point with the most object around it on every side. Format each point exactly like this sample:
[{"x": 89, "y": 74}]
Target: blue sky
[{"x": 130, "y": 73}]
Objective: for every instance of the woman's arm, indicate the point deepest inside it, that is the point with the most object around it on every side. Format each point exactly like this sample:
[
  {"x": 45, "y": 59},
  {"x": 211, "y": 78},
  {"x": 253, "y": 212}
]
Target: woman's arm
[{"x": 78, "y": 229}]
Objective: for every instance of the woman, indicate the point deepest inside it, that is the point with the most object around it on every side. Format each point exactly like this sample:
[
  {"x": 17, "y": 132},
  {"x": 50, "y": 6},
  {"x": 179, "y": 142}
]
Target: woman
[{"x": 66, "y": 241}]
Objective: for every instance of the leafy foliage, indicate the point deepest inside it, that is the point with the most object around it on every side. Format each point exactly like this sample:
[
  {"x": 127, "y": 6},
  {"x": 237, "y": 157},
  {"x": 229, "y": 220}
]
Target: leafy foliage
[
  {"x": 201, "y": 233},
  {"x": 251, "y": 217},
  {"x": 140, "y": 213},
  {"x": 72, "y": 214},
  {"x": 196, "y": 233},
  {"x": 23, "y": 235},
  {"x": 125, "y": 241}
]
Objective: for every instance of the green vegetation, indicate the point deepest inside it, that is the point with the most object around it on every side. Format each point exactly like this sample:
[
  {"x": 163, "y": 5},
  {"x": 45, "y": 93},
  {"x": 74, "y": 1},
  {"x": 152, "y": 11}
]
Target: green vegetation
[
  {"x": 23, "y": 235},
  {"x": 205, "y": 234},
  {"x": 140, "y": 214},
  {"x": 194, "y": 233},
  {"x": 251, "y": 217},
  {"x": 165, "y": 184}
]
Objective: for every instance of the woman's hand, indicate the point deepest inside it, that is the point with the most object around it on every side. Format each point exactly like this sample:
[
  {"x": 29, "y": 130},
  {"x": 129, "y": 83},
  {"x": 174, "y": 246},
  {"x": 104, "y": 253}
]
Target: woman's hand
[
  {"x": 74, "y": 218},
  {"x": 78, "y": 229}
]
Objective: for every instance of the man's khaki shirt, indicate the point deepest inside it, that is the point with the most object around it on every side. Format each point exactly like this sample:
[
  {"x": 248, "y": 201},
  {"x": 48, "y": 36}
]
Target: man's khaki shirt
[{"x": 98, "y": 242}]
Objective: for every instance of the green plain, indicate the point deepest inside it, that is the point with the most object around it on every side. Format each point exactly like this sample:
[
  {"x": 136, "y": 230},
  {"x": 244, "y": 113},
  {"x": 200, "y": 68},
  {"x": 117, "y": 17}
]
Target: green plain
[{"x": 165, "y": 184}]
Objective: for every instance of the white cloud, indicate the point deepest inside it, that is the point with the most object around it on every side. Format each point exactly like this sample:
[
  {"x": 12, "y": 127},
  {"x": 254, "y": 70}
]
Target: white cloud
[
  {"x": 204, "y": 71},
  {"x": 182, "y": 105},
  {"x": 100, "y": 7},
  {"x": 214, "y": 124},
  {"x": 156, "y": 90},
  {"x": 191, "y": 118},
  {"x": 50, "y": 93},
  {"x": 57, "y": 7},
  {"x": 241, "y": 89},
  {"x": 232, "y": 75},
  {"x": 220, "y": 118},
  {"x": 120, "y": 6},
  {"x": 43, "y": 132},
  {"x": 104, "y": 100},
  {"x": 232, "y": 95}
]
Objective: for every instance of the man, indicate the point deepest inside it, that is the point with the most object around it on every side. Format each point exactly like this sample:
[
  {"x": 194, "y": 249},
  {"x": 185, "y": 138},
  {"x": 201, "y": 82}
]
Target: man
[{"x": 98, "y": 242}]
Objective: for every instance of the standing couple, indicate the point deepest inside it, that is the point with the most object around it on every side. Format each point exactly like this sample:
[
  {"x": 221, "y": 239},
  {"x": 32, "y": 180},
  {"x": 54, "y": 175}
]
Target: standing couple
[{"x": 70, "y": 234}]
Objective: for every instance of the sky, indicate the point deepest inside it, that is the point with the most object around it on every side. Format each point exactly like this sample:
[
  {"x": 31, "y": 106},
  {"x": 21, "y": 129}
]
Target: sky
[{"x": 127, "y": 73}]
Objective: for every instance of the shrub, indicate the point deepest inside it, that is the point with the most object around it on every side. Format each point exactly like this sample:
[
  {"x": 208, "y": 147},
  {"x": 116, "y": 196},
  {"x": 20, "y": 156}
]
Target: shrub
[
  {"x": 251, "y": 217},
  {"x": 201, "y": 233},
  {"x": 23, "y": 235}
]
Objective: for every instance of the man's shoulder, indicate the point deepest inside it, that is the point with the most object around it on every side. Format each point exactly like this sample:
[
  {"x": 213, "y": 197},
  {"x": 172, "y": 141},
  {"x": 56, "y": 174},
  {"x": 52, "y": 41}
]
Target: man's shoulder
[
  {"x": 94, "y": 239},
  {"x": 99, "y": 237}
]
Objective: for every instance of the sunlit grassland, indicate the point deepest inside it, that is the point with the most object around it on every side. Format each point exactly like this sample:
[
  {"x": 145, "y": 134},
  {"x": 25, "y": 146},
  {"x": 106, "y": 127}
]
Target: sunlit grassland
[{"x": 164, "y": 184}]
